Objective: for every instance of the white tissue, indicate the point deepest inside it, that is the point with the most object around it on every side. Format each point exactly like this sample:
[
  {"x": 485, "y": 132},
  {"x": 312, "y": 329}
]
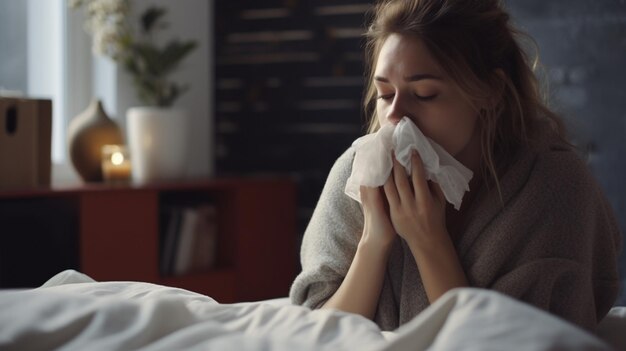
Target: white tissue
[{"x": 373, "y": 163}]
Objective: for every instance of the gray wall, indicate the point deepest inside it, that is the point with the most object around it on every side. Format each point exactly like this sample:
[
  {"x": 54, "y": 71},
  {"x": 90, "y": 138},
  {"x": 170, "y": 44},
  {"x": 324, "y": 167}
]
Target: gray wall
[
  {"x": 582, "y": 45},
  {"x": 13, "y": 34}
]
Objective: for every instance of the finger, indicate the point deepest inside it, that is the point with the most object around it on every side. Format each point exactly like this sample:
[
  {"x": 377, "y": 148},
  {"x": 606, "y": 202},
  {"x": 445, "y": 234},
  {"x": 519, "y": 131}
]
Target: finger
[
  {"x": 391, "y": 192},
  {"x": 439, "y": 195},
  {"x": 418, "y": 177},
  {"x": 402, "y": 182}
]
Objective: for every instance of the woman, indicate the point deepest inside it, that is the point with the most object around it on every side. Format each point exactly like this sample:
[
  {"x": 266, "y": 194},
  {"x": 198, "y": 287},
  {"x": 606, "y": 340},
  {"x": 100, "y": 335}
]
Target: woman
[{"x": 534, "y": 225}]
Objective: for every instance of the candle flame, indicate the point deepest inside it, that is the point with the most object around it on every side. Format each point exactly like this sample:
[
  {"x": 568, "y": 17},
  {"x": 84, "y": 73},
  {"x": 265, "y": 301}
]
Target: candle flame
[{"x": 117, "y": 158}]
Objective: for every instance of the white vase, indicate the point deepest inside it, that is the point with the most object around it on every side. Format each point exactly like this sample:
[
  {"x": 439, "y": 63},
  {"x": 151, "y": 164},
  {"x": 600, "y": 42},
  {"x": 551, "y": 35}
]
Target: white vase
[{"x": 157, "y": 140}]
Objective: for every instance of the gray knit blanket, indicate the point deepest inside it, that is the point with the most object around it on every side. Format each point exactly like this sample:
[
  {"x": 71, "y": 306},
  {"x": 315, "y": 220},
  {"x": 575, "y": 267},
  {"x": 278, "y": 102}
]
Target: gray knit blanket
[{"x": 554, "y": 243}]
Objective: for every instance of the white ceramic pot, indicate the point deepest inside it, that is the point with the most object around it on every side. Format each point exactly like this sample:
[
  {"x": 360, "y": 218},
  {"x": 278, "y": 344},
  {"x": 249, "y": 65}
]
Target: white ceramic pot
[{"x": 157, "y": 140}]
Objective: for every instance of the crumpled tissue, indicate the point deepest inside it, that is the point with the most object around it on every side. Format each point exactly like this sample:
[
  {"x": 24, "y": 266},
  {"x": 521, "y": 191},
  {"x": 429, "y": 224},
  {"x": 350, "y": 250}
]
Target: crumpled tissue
[{"x": 372, "y": 163}]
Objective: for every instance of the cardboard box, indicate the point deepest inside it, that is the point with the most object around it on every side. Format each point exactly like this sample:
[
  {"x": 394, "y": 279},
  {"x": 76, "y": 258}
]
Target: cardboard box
[{"x": 25, "y": 142}]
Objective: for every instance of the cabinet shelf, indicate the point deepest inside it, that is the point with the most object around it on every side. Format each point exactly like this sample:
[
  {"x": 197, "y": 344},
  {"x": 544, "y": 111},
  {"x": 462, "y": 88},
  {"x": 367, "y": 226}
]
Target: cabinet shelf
[{"x": 115, "y": 231}]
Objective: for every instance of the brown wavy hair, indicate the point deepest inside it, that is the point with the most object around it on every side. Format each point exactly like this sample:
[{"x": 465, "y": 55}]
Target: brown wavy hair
[{"x": 471, "y": 40}]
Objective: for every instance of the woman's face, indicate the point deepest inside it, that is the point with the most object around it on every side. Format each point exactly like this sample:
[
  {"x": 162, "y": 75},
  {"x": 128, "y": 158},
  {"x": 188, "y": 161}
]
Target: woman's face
[{"x": 410, "y": 83}]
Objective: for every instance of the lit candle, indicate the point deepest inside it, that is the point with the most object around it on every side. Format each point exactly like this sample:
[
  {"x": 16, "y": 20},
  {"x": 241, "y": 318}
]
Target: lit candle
[{"x": 115, "y": 163}]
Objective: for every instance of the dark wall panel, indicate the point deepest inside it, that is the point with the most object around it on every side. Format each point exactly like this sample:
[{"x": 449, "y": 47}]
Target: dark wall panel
[{"x": 289, "y": 86}]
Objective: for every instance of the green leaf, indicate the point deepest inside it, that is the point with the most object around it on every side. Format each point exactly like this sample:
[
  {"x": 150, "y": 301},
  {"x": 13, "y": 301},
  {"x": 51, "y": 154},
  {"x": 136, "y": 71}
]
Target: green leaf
[
  {"x": 174, "y": 53},
  {"x": 151, "y": 17}
]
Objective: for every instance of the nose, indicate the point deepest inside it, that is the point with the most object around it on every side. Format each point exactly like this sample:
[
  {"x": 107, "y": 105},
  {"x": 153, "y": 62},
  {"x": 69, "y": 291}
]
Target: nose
[{"x": 396, "y": 110}]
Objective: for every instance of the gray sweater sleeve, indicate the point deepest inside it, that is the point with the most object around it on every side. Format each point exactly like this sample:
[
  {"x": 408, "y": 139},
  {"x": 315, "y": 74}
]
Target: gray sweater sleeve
[{"x": 330, "y": 240}]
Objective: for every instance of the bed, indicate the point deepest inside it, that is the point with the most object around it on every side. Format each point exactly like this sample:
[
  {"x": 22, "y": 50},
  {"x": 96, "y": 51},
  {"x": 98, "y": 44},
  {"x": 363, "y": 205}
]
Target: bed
[{"x": 71, "y": 311}]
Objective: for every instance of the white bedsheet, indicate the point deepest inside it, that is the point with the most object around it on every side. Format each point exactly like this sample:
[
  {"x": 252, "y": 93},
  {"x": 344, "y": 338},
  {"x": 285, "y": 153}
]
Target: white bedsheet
[{"x": 72, "y": 312}]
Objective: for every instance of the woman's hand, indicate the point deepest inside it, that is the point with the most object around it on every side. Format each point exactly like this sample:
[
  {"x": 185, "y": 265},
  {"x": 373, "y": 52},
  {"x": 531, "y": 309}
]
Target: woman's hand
[
  {"x": 377, "y": 227},
  {"x": 415, "y": 210},
  {"x": 417, "y": 206}
]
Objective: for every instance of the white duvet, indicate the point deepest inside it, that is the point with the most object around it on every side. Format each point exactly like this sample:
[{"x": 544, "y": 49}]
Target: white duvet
[{"x": 72, "y": 312}]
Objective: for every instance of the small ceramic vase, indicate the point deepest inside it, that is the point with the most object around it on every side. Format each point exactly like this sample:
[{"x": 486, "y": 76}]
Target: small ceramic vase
[{"x": 87, "y": 133}]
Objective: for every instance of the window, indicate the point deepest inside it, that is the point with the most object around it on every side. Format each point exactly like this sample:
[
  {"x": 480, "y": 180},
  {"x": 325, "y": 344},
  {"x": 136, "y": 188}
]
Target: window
[
  {"x": 39, "y": 42},
  {"x": 46, "y": 53}
]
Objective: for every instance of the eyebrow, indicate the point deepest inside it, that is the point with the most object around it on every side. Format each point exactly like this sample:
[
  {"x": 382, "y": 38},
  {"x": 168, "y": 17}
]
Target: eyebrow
[{"x": 412, "y": 78}]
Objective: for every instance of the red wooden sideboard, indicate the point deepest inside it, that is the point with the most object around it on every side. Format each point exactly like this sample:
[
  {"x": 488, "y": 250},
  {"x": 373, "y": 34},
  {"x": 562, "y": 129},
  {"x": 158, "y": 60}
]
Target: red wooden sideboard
[{"x": 118, "y": 232}]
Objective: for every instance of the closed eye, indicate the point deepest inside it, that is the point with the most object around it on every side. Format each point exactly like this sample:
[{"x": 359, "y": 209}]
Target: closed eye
[{"x": 426, "y": 98}]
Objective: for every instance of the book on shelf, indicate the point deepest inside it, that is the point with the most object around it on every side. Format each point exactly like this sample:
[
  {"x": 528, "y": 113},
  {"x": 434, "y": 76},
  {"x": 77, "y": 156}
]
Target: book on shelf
[
  {"x": 189, "y": 239},
  {"x": 169, "y": 235},
  {"x": 205, "y": 243},
  {"x": 182, "y": 263}
]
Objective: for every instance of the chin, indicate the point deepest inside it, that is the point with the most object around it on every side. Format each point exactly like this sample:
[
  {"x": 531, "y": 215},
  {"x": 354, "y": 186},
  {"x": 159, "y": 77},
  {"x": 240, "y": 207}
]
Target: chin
[{"x": 453, "y": 150}]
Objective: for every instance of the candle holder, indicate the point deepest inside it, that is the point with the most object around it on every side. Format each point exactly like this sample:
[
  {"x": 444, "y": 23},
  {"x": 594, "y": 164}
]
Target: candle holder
[{"x": 115, "y": 164}]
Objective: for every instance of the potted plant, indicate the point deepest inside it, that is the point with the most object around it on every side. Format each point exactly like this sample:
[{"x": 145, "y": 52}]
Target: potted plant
[{"x": 157, "y": 132}]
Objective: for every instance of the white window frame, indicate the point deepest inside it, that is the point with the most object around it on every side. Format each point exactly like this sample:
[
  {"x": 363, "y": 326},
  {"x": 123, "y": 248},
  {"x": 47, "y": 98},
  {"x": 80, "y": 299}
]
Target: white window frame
[
  {"x": 45, "y": 46},
  {"x": 57, "y": 65},
  {"x": 61, "y": 67}
]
